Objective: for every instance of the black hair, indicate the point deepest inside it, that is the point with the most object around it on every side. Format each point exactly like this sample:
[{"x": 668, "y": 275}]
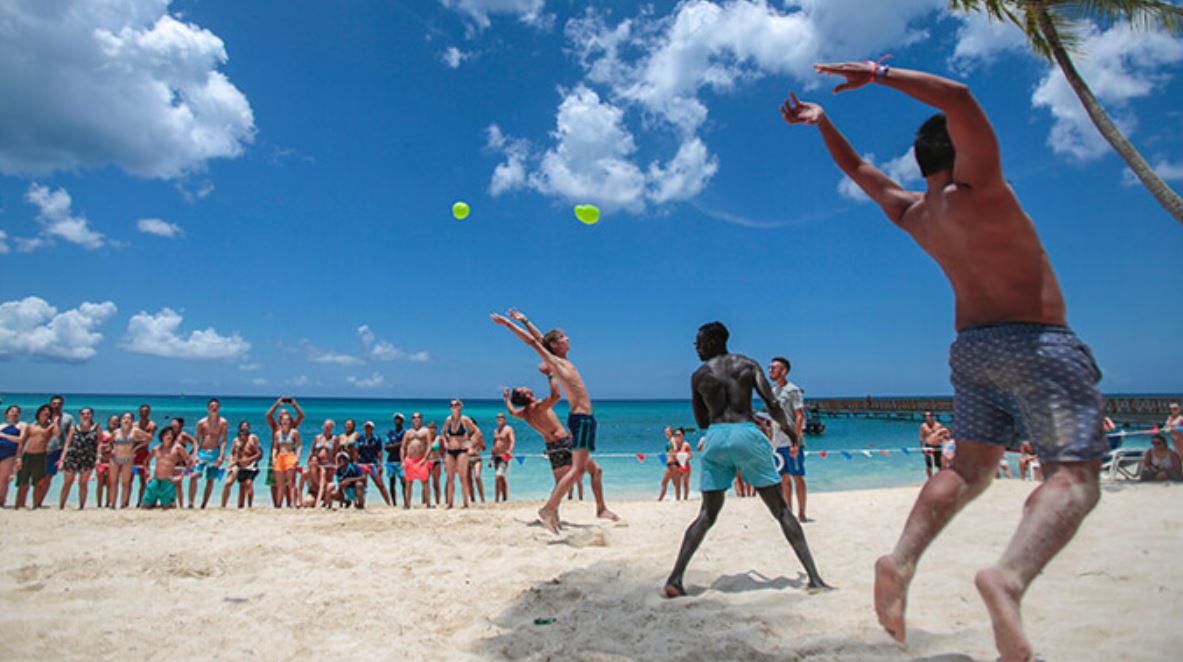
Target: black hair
[
  {"x": 168, "y": 429},
  {"x": 933, "y": 146},
  {"x": 57, "y": 397},
  {"x": 212, "y": 401},
  {"x": 11, "y": 407},
  {"x": 1160, "y": 437},
  {"x": 37, "y": 416},
  {"x": 714, "y": 338},
  {"x": 146, "y": 405},
  {"x": 783, "y": 361},
  {"x": 517, "y": 397},
  {"x": 180, "y": 420}
]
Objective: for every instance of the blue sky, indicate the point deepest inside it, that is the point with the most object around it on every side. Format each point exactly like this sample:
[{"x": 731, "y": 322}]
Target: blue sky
[{"x": 216, "y": 196}]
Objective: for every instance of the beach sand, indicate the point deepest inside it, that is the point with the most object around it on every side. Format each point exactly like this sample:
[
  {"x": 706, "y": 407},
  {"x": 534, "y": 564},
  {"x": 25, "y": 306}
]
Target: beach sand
[{"x": 386, "y": 584}]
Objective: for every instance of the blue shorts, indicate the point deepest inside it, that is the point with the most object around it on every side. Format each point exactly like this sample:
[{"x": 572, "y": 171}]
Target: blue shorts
[
  {"x": 51, "y": 469},
  {"x": 732, "y": 447},
  {"x": 207, "y": 464},
  {"x": 787, "y": 464},
  {"x": 583, "y": 431},
  {"x": 1036, "y": 382}
]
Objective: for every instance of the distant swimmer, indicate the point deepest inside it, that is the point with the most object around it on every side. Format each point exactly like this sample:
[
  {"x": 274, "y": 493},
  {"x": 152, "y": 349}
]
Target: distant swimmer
[
  {"x": 722, "y": 401},
  {"x": 1016, "y": 366},
  {"x": 553, "y": 348}
]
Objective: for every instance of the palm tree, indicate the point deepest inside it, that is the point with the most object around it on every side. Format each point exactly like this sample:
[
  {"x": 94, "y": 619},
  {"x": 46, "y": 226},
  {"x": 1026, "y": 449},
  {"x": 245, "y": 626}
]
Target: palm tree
[{"x": 1045, "y": 23}]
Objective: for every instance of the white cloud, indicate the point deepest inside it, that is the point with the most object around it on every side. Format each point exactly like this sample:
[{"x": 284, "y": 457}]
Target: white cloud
[
  {"x": 1120, "y": 65},
  {"x": 512, "y": 173},
  {"x": 57, "y": 221},
  {"x": 3, "y": 244},
  {"x": 156, "y": 335},
  {"x": 453, "y": 57},
  {"x": 479, "y": 11},
  {"x": 658, "y": 66},
  {"x": 1168, "y": 170},
  {"x": 260, "y": 381},
  {"x": 302, "y": 380},
  {"x": 903, "y": 169},
  {"x": 32, "y": 327},
  {"x": 980, "y": 41},
  {"x": 88, "y": 84},
  {"x": 336, "y": 358},
  {"x": 381, "y": 350},
  {"x": 250, "y": 367},
  {"x": 373, "y": 381},
  {"x": 160, "y": 228}
]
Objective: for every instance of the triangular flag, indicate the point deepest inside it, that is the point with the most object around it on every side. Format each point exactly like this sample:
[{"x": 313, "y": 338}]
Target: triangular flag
[
  {"x": 884, "y": 453},
  {"x": 1155, "y": 430},
  {"x": 521, "y": 459},
  {"x": 846, "y": 455},
  {"x": 822, "y": 454},
  {"x": 867, "y": 453},
  {"x": 905, "y": 451},
  {"x": 663, "y": 457},
  {"x": 640, "y": 457}
]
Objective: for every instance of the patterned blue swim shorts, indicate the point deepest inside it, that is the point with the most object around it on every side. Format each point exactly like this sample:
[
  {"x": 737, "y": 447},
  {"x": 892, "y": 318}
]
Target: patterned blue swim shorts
[{"x": 1037, "y": 382}]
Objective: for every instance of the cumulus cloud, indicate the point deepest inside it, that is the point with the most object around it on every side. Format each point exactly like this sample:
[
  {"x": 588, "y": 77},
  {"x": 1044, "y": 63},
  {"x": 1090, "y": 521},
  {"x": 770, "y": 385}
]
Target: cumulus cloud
[
  {"x": 157, "y": 335},
  {"x": 1168, "y": 170},
  {"x": 3, "y": 242},
  {"x": 659, "y": 66},
  {"x": 32, "y": 327},
  {"x": 479, "y": 11},
  {"x": 981, "y": 41},
  {"x": 453, "y": 57},
  {"x": 57, "y": 221},
  {"x": 1120, "y": 65},
  {"x": 160, "y": 228},
  {"x": 89, "y": 84},
  {"x": 381, "y": 350},
  {"x": 903, "y": 169},
  {"x": 373, "y": 381}
]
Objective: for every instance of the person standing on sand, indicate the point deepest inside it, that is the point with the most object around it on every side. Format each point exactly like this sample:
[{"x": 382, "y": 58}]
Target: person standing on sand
[
  {"x": 930, "y": 443},
  {"x": 414, "y": 459},
  {"x": 65, "y": 425},
  {"x": 540, "y": 416},
  {"x": 476, "y": 448},
  {"x": 504, "y": 442},
  {"x": 792, "y": 400},
  {"x": 170, "y": 456},
  {"x": 211, "y": 450},
  {"x": 457, "y": 437},
  {"x": 79, "y": 457},
  {"x": 394, "y": 458},
  {"x": 10, "y": 440},
  {"x": 245, "y": 454},
  {"x": 142, "y": 455},
  {"x": 722, "y": 401},
  {"x": 369, "y": 458},
  {"x": 32, "y": 458},
  {"x": 553, "y": 348},
  {"x": 285, "y": 450},
  {"x": 1016, "y": 366},
  {"x": 1174, "y": 426}
]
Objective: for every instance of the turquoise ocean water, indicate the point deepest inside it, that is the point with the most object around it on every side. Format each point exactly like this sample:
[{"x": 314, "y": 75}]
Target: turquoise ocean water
[{"x": 626, "y": 428}]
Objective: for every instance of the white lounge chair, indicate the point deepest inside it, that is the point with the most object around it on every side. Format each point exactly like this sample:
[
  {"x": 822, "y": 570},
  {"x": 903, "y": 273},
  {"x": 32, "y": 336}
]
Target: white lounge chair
[{"x": 1123, "y": 464}]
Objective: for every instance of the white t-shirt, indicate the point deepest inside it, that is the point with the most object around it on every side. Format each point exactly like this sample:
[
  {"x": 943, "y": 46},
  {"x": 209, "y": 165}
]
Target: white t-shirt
[{"x": 791, "y": 399}]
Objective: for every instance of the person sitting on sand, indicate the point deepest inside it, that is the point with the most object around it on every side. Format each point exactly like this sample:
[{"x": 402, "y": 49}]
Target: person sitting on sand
[
  {"x": 1016, "y": 365},
  {"x": 1160, "y": 463},
  {"x": 416, "y": 465},
  {"x": 161, "y": 490},
  {"x": 504, "y": 442},
  {"x": 351, "y": 482},
  {"x": 722, "y": 402}
]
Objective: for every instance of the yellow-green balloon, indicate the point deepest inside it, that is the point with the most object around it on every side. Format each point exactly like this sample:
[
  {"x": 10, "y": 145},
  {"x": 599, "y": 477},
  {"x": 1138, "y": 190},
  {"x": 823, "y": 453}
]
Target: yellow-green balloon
[
  {"x": 587, "y": 214},
  {"x": 460, "y": 210}
]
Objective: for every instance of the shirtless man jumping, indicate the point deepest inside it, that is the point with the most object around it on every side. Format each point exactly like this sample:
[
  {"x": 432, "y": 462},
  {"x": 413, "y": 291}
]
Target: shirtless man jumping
[
  {"x": 211, "y": 451},
  {"x": 722, "y": 401},
  {"x": 553, "y": 348},
  {"x": 1016, "y": 366}
]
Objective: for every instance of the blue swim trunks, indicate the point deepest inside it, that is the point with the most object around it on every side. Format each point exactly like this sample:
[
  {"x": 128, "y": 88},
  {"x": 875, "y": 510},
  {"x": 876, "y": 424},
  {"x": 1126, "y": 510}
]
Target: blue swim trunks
[
  {"x": 207, "y": 463},
  {"x": 787, "y": 464},
  {"x": 1036, "y": 382},
  {"x": 732, "y": 447},
  {"x": 583, "y": 431},
  {"x": 52, "y": 468}
]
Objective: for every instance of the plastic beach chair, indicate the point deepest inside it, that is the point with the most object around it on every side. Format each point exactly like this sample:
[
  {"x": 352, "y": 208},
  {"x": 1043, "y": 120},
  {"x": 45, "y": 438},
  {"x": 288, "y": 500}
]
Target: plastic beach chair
[{"x": 1123, "y": 464}]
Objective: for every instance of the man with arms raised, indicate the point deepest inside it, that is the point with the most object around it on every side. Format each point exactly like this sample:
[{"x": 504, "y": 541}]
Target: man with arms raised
[
  {"x": 722, "y": 400},
  {"x": 540, "y": 416},
  {"x": 1016, "y": 367},
  {"x": 553, "y": 348},
  {"x": 211, "y": 451}
]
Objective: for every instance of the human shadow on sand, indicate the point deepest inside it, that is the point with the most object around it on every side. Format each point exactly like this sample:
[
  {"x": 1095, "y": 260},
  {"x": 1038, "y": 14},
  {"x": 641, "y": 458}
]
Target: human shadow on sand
[{"x": 615, "y": 610}]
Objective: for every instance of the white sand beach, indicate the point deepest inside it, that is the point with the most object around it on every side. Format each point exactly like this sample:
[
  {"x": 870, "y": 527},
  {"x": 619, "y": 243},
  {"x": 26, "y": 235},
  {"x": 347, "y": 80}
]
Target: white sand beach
[{"x": 386, "y": 584}]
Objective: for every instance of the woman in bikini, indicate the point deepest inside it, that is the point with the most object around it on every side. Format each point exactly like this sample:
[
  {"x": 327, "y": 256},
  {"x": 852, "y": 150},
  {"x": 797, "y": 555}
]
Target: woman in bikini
[
  {"x": 435, "y": 459},
  {"x": 126, "y": 442},
  {"x": 79, "y": 457},
  {"x": 671, "y": 466},
  {"x": 285, "y": 450},
  {"x": 476, "y": 446},
  {"x": 10, "y": 438},
  {"x": 103, "y": 495},
  {"x": 457, "y": 438},
  {"x": 684, "y": 455},
  {"x": 324, "y": 450},
  {"x": 346, "y": 442}
]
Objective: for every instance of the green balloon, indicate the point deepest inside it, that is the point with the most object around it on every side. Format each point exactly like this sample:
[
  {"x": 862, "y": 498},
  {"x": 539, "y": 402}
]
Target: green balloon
[
  {"x": 587, "y": 214},
  {"x": 460, "y": 210}
]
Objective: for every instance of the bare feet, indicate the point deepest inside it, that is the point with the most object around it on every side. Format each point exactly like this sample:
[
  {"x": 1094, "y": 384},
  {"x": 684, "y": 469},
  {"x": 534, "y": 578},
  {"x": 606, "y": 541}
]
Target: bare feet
[
  {"x": 891, "y": 596},
  {"x": 608, "y": 515},
  {"x": 674, "y": 590},
  {"x": 550, "y": 519},
  {"x": 1002, "y": 601}
]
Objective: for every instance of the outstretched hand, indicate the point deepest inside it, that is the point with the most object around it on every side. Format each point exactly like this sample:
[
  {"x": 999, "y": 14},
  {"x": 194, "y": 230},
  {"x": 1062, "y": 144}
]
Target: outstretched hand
[
  {"x": 499, "y": 319},
  {"x": 797, "y": 112},
  {"x": 857, "y": 74},
  {"x": 516, "y": 314}
]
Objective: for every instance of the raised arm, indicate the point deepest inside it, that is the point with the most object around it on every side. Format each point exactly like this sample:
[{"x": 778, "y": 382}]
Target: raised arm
[
  {"x": 299, "y": 414},
  {"x": 518, "y": 315},
  {"x": 525, "y": 337},
  {"x": 271, "y": 415},
  {"x": 556, "y": 393},
  {"x": 885, "y": 191},
  {"x": 764, "y": 390},
  {"x": 978, "y": 162}
]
